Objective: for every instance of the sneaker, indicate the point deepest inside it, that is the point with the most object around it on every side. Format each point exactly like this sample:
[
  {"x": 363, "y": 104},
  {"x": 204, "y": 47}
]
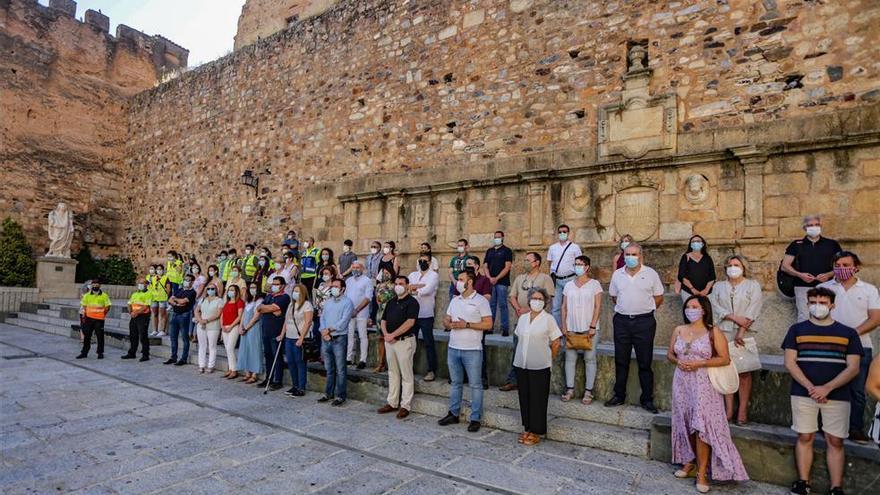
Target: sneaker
[
  {"x": 800, "y": 487},
  {"x": 299, "y": 393},
  {"x": 324, "y": 398},
  {"x": 289, "y": 392},
  {"x": 153, "y": 334},
  {"x": 100, "y": 356},
  {"x": 144, "y": 358},
  {"x": 169, "y": 361},
  {"x": 275, "y": 386},
  {"x": 474, "y": 426},
  {"x": 161, "y": 334},
  {"x": 337, "y": 402},
  {"x": 449, "y": 419},
  {"x": 614, "y": 401},
  {"x": 858, "y": 436},
  {"x": 429, "y": 376},
  {"x": 836, "y": 491},
  {"x": 361, "y": 365},
  {"x": 82, "y": 356},
  {"x": 263, "y": 383},
  {"x": 180, "y": 363}
]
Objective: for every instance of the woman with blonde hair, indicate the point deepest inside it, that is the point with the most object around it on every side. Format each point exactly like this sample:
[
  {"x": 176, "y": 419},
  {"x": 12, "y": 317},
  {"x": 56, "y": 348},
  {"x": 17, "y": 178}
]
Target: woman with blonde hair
[
  {"x": 737, "y": 303},
  {"x": 297, "y": 325}
]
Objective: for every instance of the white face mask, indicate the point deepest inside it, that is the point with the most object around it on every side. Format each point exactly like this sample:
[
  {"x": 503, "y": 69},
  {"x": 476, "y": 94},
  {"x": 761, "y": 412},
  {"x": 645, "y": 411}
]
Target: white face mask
[
  {"x": 536, "y": 305},
  {"x": 460, "y": 249},
  {"x": 195, "y": 269},
  {"x": 814, "y": 231},
  {"x": 734, "y": 271},
  {"x": 374, "y": 250},
  {"x": 296, "y": 296},
  {"x": 253, "y": 292},
  {"x": 819, "y": 311},
  {"x": 230, "y": 294},
  {"x": 141, "y": 286},
  {"x": 326, "y": 278},
  {"x": 275, "y": 289},
  {"x": 212, "y": 273},
  {"x": 346, "y": 249},
  {"x": 325, "y": 257},
  {"x": 187, "y": 284},
  {"x": 460, "y": 286},
  {"x": 386, "y": 250},
  {"x": 399, "y": 290},
  {"x": 335, "y": 291},
  {"x": 306, "y": 244}
]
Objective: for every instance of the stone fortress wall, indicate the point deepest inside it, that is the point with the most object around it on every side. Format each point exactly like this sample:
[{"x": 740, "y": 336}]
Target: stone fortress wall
[
  {"x": 262, "y": 18},
  {"x": 64, "y": 88}
]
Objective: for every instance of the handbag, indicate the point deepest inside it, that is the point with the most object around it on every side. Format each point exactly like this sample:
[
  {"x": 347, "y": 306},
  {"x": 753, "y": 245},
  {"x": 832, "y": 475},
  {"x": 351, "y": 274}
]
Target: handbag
[
  {"x": 579, "y": 341},
  {"x": 724, "y": 379},
  {"x": 311, "y": 349},
  {"x": 785, "y": 281},
  {"x": 874, "y": 430},
  {"x": 746, "y": 358}
]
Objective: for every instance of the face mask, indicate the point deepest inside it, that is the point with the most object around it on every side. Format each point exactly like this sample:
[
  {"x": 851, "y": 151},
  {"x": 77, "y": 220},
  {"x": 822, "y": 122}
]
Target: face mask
[
  {"x": 247, "y": 251},
  {"x": 171, "y": 259},
  {"x": 296, "y": 296},
  {"x": 696, "y": 245},
  {"x": 223, "y": 257},
  {"x": 498, "y": 240},
  {"x": 230, "y": 294},
  {"x": 346, "y": 249},
  {"x": 187, "y": 284},
  {"x": 195, "y": 270},
  {"x": 844, "y": 273},
  {"x": 423, "y": 265},
  {"x": 306, "y": 244},
  {"x": 528, "y": 265},
  {"x": 399, "y": 290},
  {"x": 325, "y": 257},
  {"x": 563, "y": 236},
  {"x": 276, "y": 289},
  {"x": 262, "y": 263},
  {"x": 152, "y": 271},
  {"x": 253, "y": 291},
  {"x": 470, "y": 268},
  {"x": 96, "y": 288},
  {"x": 819, "y": 311},
  {"x": 623, "y": 245},
  {"x": 386, "y": 250},
  {"x": 212, "y": 273},
  {"x": 460, "y": 286},
  {"x": 234, "y": 274},
  {"x": 734, "y": 271},
  {"x": 356, "y": 273},
  {"x": 693, "y": 314},
  {"x": 383, "y": 277},
  {"x": 141, "y": 287},
  {"x": 374, "y": 250},
  {"x": 212, "y": 292},
  {"x": 335, "y": 291},
  {"x": 579, "y": 270},
  {"x": 326, "y": 278},
  {"x": 460, "y": 249},
  {"x": 631, "y": 261},
  {"x": 264, "y": 253},
  {"x": 160, "y": 272},
  {"x": 536, "y": 305},
  {"x": 814, "y": 231}
]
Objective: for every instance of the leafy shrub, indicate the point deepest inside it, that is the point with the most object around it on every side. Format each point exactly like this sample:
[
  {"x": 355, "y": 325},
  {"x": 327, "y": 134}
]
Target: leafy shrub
[
  {"x": 87, "y": 267},
  {"x": 17, "y": 265},
  {"x": 115, "y": 270}
]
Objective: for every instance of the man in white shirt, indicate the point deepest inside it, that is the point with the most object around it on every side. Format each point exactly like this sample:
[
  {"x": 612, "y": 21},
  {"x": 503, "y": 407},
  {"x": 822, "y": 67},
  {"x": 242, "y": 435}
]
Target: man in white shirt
[
  {"x": 856, "y": 305},
  {"x": 467, "y": 318},
  {"x": 424, "y": 283},
  {"x": 636, "y": 291},
  {"x": 561, "y": 257},
  {"x": 359, "y": 290}
]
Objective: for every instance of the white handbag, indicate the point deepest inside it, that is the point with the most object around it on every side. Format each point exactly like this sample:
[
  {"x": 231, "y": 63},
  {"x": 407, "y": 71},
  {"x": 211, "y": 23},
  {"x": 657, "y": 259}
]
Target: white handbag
[
  {"x": 724, "y": 379},
  {"x": 746, "y": 358}
]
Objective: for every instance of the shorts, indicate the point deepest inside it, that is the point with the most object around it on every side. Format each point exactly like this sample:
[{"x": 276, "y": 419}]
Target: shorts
[
  {"x": 159, "y": 304},
  {"x": 805, "y": 416}
]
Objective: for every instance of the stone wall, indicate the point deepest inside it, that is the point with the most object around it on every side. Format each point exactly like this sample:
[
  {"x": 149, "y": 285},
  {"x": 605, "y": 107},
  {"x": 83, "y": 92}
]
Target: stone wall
[
  {"x": 262, "y": 18},
  {"x": 464, "y": 87},
  {"x": 64, "y": 85}
]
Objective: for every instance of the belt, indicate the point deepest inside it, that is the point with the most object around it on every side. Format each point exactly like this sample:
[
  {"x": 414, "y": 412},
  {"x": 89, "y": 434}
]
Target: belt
[
  {"x": 398, "y": 339},
  {"x": 565, "y": 277},
  {"x": 633, "y": 317}
]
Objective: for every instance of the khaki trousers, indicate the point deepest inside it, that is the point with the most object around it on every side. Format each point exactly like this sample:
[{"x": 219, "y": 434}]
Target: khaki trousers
[{"x": 400, "y": 369}]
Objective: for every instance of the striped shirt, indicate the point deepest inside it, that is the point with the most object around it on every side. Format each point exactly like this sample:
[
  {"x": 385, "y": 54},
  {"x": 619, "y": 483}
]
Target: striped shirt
[{"x": 821, "y": 354}]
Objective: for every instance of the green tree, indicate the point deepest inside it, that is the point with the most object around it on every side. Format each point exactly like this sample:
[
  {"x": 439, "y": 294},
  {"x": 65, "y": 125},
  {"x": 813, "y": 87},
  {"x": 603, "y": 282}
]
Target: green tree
[
  {"x": 87, "y": 267},
  {"x": 115, "y": 270},
  {"x": 17, "y": 265}
]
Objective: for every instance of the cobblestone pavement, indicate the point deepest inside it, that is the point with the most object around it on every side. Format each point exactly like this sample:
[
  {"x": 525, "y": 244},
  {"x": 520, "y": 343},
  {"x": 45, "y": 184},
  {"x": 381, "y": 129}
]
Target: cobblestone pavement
[{"x": 114, "y": 426}]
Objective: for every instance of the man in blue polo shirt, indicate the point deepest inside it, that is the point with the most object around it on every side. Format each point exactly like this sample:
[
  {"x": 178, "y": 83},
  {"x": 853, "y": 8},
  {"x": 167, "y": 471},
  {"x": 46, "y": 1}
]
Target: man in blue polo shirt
[{"x": 272, "y": 313}]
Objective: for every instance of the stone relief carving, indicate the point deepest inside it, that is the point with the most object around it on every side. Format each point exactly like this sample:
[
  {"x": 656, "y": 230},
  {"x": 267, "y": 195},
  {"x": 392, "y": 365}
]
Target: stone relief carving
[
  {"x": 579, "y": 196},
  {"x": 636, "y": 211},
  {"x": 696, "y": 189},
  {"x": 60, "y": 230}
]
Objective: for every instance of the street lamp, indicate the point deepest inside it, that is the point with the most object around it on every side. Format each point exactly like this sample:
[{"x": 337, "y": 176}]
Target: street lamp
[{"x": 249, "y": 179}]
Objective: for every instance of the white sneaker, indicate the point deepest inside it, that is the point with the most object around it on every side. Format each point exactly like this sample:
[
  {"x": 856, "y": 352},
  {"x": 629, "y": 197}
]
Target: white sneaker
[
  {"x": 154, "y": 334},
  {"x": 161, "y": 334}
]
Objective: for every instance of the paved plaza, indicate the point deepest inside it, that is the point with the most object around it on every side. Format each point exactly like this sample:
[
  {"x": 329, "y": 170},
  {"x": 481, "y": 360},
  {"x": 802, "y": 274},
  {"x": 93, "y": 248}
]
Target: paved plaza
[{"x": 113, "y": 426}]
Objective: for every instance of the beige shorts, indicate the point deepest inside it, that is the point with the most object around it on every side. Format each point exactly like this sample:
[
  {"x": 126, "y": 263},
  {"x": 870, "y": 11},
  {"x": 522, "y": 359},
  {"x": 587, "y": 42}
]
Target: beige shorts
[{"x": 805, "y": 416}]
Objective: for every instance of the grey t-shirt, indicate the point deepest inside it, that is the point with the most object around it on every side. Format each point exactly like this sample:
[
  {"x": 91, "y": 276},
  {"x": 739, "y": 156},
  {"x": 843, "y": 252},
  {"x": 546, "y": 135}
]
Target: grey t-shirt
[{"x": 345, "y": 261}]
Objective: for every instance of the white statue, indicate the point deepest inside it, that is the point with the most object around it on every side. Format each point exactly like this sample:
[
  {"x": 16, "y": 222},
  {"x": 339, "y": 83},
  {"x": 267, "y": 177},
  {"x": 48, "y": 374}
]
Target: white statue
[{"x": 60, "y": 231}]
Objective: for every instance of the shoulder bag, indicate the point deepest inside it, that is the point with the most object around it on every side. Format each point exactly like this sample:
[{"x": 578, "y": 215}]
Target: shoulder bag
[
  {"x": 579, "y": 341},
  {"x": 724, "y": 379},
  {"x": 785, "y": 281}
]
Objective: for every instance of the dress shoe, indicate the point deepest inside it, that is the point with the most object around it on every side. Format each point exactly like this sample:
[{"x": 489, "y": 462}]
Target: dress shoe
[
  {"x": 275, "y": 386},
  {"x": 144, "y": 358},
  {"x": 402, "y": 413},
  {"x": 100, "y": 356},
  {"x": 82, "y": 356},
  {"x": 485, "y": 385},
  {"x": 324, "y": 398},
  {"x": 858, "y": 436},
  {"x": 361, "y": 365},
  {"x": 429, "y": 376},
  {"x": 298, "y": 393},
  {"x": 387, "y": 408},
  {"x": 449, "y": 419},
  {"x": 263, "y": 383},
  {"x": 507, "y": 387},
  {"x": 614, "y": 401},
  {"x": 169, "y": 361},
  {"x": 474, "y": 426},
  {"x": 289, "y": 392},
  {"x": 337, "y": 402},
  {"x": 650, "y": 407},
  {"x": 128, "y": 356},
  {"x": 180, "y": 363}
]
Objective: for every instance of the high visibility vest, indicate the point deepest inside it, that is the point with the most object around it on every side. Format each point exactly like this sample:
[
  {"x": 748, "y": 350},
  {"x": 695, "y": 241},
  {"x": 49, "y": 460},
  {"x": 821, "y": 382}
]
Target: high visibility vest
[
  {"x": 224, "y": 270},
  {"x": 140, "y": 300},
  {"x": 157, "y": 288},
  {"x": 95, "y": 304},
  {"x": 250, "y": 265},
  {"x": 309, "y": 262},
  {"x": 174, "y": 271}
]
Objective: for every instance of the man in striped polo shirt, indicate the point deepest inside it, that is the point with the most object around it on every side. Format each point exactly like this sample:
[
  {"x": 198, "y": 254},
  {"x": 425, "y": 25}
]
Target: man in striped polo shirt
[{"x": 822, "y": 356}]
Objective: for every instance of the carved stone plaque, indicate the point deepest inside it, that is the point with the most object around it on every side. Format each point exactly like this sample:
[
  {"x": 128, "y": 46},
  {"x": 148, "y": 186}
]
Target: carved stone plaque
[{"x": 636, "y": 212}]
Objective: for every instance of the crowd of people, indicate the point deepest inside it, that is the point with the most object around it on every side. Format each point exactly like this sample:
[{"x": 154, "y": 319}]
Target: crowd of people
[{"x": 314, "y": 305}]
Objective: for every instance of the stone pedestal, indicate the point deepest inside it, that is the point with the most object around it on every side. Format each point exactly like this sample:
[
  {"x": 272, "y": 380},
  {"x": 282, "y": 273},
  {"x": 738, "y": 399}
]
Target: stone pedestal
[{"x": 56, "y": 278}]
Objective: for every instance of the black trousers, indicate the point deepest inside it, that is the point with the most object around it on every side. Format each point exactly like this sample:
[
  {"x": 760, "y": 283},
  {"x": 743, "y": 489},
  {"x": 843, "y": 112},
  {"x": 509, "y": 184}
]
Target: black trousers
[
  {"x": 634, "y": 333},
  {"x": 89, "y": 326},
  {"x": 309, "y": 282},
  {"x": 534, "y": 392},
  {"x": 137, "y": 333}
]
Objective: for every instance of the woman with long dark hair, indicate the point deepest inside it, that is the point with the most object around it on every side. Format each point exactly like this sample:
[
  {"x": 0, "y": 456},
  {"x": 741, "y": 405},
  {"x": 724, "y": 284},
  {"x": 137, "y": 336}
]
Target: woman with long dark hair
[
  {"x": 700, "y": 433},
  {"x": 696, "y": 270},
  {"x": 250, "y": 348}
]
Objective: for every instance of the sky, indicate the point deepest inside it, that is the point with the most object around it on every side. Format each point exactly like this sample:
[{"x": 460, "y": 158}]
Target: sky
[{"x": 205, "y": 27}]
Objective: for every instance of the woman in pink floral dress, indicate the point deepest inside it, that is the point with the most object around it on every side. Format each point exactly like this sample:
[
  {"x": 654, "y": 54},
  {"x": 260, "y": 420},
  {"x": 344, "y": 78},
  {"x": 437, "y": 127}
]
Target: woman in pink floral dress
[{"x": 700, "y": 434}]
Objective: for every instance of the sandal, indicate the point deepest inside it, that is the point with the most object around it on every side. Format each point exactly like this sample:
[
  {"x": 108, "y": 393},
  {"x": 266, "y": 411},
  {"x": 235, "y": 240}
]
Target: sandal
[
  {"x": 689, "y": 470},
  {"x": 531, "y": 439},
  {"x": 380, "y": 369},
  {"x": 569, "y": 393},
  {"x": 588, "y": 398},
  {"x": 702, "y": 487},
  {"x": 522, "y": 437},
  {"x": 232, "y": 376}
]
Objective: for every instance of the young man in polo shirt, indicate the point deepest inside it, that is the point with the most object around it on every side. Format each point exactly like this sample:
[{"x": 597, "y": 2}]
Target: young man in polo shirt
[
  {"x": 139, "y": 310},
  {"x": 856, "y": 305},
  {"x": 181, "y": 302},
  {"x": 822, "y": 356},
  {"x": 496, "y": 266},
  {"x": 561, "y": 257},
  {"x": 272, "y": 313},
  {"x": 94, "y": 307},
  {"x": 808, "y": 260},
  {"x": 399, "y": 329},
  {"x": 335, "y": 315},
  {"x": 423, "y": 283},
  {"x": 468, "y": 318}
]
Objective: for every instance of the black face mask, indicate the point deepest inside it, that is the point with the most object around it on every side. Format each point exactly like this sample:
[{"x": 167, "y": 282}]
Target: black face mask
[
  {"x": 423, "y": 265},
  {"x": 96, "y": 289}
]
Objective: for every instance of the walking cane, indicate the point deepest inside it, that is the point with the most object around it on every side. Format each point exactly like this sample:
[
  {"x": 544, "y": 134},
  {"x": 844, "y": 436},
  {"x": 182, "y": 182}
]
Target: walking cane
[{"x": 269, "y": 376}]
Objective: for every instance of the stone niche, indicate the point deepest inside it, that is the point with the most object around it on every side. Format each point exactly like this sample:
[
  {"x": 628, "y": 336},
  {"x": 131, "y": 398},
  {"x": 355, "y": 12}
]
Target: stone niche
[{"x": 640, "y": 123}]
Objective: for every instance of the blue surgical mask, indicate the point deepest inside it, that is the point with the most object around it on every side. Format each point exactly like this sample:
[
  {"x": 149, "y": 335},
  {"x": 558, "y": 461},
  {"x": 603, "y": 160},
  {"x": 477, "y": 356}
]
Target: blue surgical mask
[
  {"x": 579, "y": 270},
  {"x": 631, "y": 261},
  {"x": 563, "y": 236},
  {"x": 498, "y": 240},
  {"x": 696, "y": 245}
]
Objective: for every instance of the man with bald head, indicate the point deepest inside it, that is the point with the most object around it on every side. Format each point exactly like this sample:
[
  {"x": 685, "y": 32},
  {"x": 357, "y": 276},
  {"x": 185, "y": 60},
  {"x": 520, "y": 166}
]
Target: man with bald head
[{"x": 359, "y": 289}]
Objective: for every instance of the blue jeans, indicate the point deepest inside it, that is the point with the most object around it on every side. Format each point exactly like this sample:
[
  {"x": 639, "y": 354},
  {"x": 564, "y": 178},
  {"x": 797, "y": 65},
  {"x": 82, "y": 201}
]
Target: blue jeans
[
  {"x": 857, "y": 393},
  {"x": 461, "y": 362},
  {"x": 426, "y": 327},
  {"x": 557, "y": 300},
  {"x": 499, "y": 304},
  {"x": 511, "y": 375},
  {"x": 295, "y": 363},
  {"x": 334, "y": 353},
  {"x": 179, "y": 325},
  {"x": 270, "y": 349}
]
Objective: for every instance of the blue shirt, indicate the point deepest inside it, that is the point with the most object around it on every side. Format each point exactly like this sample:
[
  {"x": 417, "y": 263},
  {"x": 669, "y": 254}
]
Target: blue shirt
[
  {"x": 270, "y": 323},
  {"x": 821, "y": 354},
  {"x": 336, "y": 314}
]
